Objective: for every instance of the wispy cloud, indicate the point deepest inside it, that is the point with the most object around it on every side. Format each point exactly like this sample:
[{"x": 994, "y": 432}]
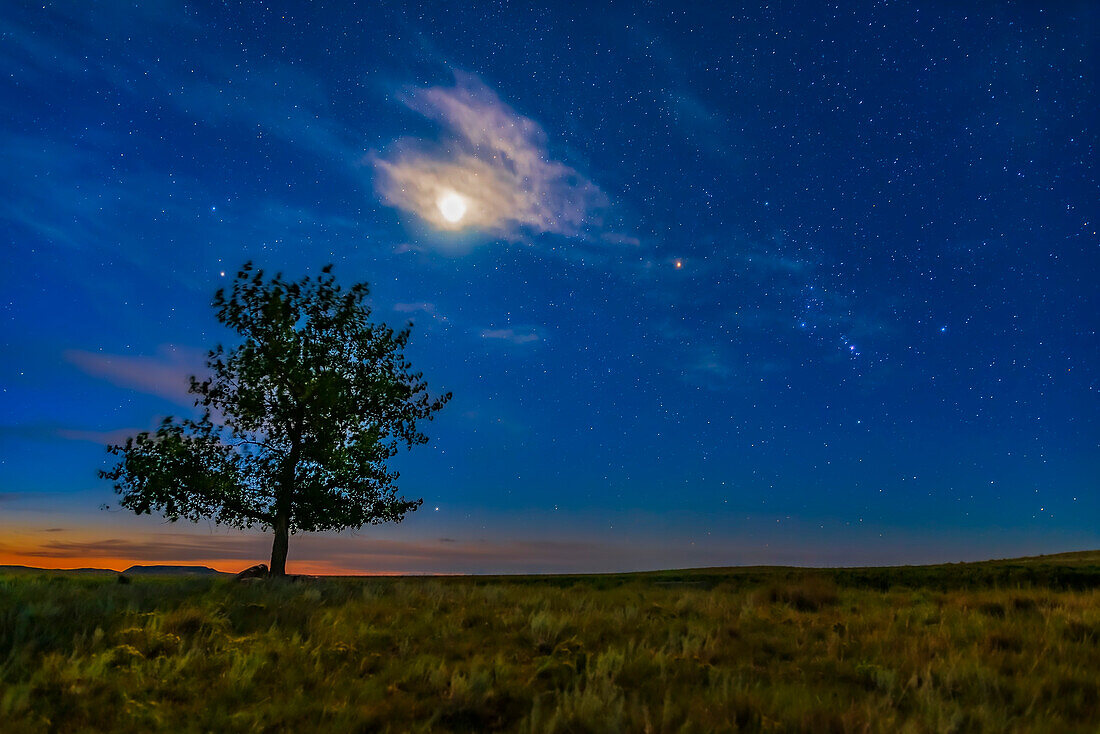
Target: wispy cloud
[
  {"x": 50, "y": 431},
  {"x": 278, "y": 99},
  {"x": 712, "y": 365},
  {"x": 165, "y": 375},
  {"x": 618, "y": 238},
  {"x": 181, "y": 548},
  {"x": 495, "y": 159},
  {"x": 524, "y": 336},
  {"x": 117, "y": 436},
  {"x": 428, "y": 309},
  {"x": 421, "y": 307}
]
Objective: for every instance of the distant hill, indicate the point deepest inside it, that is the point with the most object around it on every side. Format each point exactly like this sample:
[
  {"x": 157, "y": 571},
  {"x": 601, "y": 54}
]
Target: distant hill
[
  {"x": 173, "y": 571},
  {"x": 1073, "y": 557}
]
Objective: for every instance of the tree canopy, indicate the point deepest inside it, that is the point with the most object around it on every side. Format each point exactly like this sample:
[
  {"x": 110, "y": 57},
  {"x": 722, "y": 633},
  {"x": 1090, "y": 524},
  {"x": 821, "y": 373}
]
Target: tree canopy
[{"x": 298, "y": 418}]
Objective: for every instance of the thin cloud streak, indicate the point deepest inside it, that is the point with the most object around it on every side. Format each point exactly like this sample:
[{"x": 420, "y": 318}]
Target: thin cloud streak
[
  {"x": 511, "y": 335},
  {"x": 336, "y": 554},
  {"x": 428, "y": 309},
  {"x": 117, "y": 436},
  {"x": 166, "y": 375}
]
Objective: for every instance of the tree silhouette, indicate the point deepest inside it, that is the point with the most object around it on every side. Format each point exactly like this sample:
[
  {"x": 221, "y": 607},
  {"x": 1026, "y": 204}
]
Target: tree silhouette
[{"x": 299, "y": 419}]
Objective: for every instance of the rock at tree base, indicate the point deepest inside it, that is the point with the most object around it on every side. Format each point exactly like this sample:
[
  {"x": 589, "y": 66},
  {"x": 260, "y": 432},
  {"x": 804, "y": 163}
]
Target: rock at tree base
[{"x": 255, "y": 572}]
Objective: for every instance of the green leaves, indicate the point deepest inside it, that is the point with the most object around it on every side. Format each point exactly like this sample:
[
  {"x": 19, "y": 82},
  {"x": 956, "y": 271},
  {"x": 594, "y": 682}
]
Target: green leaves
[
  {"x": 300, "y": 416},
  {"x": 182, "y": 471}
]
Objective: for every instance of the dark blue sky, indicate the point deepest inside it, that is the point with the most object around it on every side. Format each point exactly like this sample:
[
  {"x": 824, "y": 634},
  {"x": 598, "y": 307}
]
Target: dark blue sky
[{"x": 733, "y": 285}]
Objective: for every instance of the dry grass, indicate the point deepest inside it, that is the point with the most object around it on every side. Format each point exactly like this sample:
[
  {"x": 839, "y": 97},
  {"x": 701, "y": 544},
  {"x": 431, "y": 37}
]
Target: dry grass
[{"x": 951, "y": 649}]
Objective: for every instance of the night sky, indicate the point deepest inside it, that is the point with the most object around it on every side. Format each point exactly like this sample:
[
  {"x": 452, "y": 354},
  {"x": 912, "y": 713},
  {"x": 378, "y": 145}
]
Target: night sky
[{"x": 712, "y": 285}]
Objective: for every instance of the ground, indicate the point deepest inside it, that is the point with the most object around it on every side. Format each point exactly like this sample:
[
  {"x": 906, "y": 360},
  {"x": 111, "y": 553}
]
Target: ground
[{"x": 1000, "y": 646}]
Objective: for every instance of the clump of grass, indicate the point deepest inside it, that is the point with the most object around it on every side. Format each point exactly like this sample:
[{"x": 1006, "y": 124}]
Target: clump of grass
[
  {"x": 992, "y": 609},
  {"x": 810, "y": 594},
  {"x": 1025, "y": 604},
  {"x": 1004, "y": 642},
  {"x": 1082, "y": 632},
  {"x": 184, "y": 621}
]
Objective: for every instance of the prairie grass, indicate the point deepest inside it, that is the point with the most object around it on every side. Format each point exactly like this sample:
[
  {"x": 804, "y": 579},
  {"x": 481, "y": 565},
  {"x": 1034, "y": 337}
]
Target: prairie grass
[{"x": 964, "y": 648}]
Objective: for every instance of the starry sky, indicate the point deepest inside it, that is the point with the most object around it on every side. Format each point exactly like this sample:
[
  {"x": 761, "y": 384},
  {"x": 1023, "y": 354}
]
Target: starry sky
[{"x": 712, "y": 285}]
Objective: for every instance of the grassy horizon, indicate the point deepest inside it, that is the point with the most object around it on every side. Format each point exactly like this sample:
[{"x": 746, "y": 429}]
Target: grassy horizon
[
  {"x": 990, "y": 646},
  {"x": 1064, "y": 557}
]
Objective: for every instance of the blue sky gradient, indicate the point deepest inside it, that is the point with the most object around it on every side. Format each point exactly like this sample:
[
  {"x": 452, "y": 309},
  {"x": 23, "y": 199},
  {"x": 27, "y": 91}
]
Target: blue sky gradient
[{"x": 737, "y": 285}]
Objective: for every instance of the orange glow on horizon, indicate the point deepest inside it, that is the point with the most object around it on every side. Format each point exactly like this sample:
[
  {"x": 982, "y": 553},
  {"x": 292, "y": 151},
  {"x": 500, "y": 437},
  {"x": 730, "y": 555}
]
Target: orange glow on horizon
[
  {"x": 225, "y": 565},
  {"x": 14, "y": 557}
]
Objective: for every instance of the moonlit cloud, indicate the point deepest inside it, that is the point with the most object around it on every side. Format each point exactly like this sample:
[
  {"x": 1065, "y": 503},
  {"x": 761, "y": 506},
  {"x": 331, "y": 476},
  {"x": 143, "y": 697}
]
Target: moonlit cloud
[
  {"x": 511, "y": 335},
  {"x": 492, "y": 161},
  {"x": 430, "y": 310},
  {"x": 167, "y": 375},
  {"x": 421, "y": 307},
  {"x": 117, "y": 436}
]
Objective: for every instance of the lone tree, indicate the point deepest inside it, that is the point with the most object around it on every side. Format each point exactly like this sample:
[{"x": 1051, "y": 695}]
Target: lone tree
[{"x": 298, "y": 419}]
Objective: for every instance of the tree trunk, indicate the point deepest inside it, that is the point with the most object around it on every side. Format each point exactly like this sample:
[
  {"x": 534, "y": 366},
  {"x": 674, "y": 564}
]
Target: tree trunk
[
  {"x": 284, "y": 502},
  {"x": 279, "y": 547}
]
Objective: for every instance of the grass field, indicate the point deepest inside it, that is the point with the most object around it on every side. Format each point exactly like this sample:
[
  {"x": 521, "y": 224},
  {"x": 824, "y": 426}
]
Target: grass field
[{"x": 999, "y": 646}]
